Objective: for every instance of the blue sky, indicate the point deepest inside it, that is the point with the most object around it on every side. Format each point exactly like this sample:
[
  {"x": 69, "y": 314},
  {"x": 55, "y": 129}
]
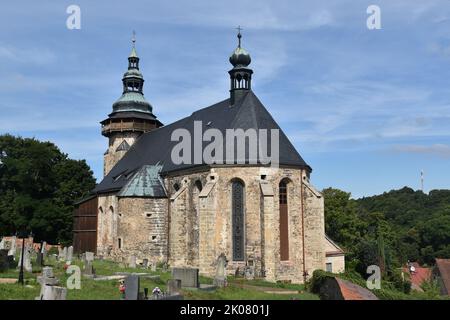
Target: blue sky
[{"x": 367, "y": 109}]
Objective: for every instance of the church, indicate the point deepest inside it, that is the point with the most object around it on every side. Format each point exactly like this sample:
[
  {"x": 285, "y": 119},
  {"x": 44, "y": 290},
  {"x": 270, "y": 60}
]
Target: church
[{"x": 263, "y": 218}]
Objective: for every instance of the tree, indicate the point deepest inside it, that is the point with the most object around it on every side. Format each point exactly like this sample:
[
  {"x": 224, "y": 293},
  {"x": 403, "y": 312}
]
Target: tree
[{"x": 38, "y": 186}]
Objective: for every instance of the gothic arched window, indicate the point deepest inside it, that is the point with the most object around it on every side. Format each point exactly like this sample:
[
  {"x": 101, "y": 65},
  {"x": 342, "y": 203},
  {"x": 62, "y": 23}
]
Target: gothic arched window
[
  {"x": 238, "y": 220},
  {"x": 284, "y": 221}
]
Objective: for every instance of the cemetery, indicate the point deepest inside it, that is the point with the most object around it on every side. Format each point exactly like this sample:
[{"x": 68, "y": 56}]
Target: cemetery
[{"x": 49, "y": 275}]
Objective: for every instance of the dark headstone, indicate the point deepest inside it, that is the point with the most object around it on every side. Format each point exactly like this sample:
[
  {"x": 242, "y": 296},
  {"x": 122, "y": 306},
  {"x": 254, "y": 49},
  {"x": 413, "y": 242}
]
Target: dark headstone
[
  {"x": 132, "y": 287},
  {"x": 4, "y": 260},
  {"x": 188, "y": 276},
  {"x": 40, "y": 259}
]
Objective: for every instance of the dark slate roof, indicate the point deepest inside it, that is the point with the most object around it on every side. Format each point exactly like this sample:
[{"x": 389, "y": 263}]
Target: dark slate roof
[{"x": 155, "y": 147}]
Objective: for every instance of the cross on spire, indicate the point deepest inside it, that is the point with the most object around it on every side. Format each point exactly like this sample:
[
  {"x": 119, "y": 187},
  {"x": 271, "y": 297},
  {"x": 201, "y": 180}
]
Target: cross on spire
[
  {"x": 133, "y": 39},
  {"x": 239, "y": 35}
]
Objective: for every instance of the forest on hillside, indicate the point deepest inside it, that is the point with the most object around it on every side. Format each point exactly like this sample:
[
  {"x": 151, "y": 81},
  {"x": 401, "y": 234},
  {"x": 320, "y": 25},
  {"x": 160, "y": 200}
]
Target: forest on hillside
[{"x": 389, "y": 229}]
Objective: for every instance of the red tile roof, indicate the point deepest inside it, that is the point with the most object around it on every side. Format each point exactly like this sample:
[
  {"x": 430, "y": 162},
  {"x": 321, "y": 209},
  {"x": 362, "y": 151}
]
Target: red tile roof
[
  {"x": 419, "y": 276},
  {"x": 351, "y": 291}
]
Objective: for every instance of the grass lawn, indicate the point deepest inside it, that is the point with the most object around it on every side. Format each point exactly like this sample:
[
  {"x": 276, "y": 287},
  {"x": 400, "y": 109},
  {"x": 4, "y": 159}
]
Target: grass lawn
[{"x": 109, "y": 289}]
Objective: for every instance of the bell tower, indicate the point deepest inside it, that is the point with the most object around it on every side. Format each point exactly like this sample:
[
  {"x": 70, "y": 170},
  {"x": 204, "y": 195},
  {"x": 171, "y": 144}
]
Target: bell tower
[
  {"x": 132, "y": 114},
  {"x": 240, "y": 75}
]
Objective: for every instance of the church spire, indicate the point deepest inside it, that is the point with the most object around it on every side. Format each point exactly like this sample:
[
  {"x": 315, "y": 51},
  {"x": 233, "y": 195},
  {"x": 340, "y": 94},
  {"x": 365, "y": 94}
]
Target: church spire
[{"x": 240, "y": 75}]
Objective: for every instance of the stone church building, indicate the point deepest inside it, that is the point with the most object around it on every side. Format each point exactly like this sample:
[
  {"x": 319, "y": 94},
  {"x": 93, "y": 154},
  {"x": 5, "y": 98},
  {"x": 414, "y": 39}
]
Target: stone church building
[{"x": 266, "y": 218}]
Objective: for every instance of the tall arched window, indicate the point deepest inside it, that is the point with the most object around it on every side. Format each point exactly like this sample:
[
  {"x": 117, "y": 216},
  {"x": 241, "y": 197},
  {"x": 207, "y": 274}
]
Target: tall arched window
[
  {"x": 284, "y": 222},
  {"x": 238, "y": 220}
]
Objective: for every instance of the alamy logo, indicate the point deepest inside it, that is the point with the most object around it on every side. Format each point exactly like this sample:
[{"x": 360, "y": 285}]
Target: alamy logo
[{"x": 249, "y": 146}]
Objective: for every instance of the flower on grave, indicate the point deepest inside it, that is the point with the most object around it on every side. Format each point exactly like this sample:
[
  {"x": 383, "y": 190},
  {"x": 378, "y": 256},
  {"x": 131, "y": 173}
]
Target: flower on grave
[
  {"x": 156, "y": 291},
  {"x": 122, "y": 286},
  {"x": 66, "y": 266}
]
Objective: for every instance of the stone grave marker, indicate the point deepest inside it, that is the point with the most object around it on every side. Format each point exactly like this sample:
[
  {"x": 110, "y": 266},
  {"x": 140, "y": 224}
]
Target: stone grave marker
[
  {"x": 2, "y": 244},
  {"x": 188, "y": 276},
  {"x": 40, "y": 259},
  {"x": 145, "y": 263},
  {"x": 44, "y": 249},
  {"x": 132, "y": 263},
  {"x": 12, "y": 250},
  {"x": 89, "y": 269},
  {"x": 47, "y": 278},
  {"x": 4, "y": 260},
  {"x": 173, "y": 286},
  {"x": 153, "y": 267},
  {"x": 69, "y": 257},
  {"x": 89, "y": 256},
  {"x": 132, "y": 284},
  {"x": 51, "y": 292},
  {"x": 249, "y": 273},
  {"x": 26, "y": 259},
  {"x": 220, "y": 279}
]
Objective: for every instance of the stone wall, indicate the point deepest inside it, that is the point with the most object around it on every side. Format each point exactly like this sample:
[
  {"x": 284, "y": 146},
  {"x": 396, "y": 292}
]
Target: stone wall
[
  {"x": 211, "y": 216},
  {"x": 142, "y": 229},
  {"x": 107, "y": 224},
  {"x": 111, "y": 157},
  {"x": 193, "y": 227}
]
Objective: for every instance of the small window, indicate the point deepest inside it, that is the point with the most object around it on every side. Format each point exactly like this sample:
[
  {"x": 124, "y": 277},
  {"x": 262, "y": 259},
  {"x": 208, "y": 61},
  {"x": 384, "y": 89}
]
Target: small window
[
  {"x": 263, "y": 177},
  {"x": 176, "y": 186},
  {"x": 153, "y": 237},
  {"x": 119, "y": 243},
  {"x": 148, "y": 214},
  {"x": 329, "y": 267},
  {"x": 198, "y": 185}
]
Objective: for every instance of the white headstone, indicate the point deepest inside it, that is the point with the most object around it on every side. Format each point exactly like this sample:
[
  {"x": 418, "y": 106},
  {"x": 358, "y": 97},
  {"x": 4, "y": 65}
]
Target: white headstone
[
  {"x": 44, "y": 248},
  {"x": 12, "y": 251},
  {"x": 89, "y": 256},
  {"x": 2, "y": 244},
  {"x": 64, "y": 254},
  {"x": 54, "y": 293},
  {"x": 26, "y": 259},
  {"x": 69, "y": 254}
]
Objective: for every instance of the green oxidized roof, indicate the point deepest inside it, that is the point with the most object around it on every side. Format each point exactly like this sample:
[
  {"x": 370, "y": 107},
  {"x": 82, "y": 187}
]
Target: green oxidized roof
[
  {"x": 132, "y": 101},
  {"x": 146, "y": 182}
]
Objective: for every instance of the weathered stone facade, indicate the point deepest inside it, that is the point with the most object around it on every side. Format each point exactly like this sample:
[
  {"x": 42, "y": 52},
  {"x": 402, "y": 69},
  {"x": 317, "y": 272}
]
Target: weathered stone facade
[
  {"x": 112, "y": 155},
  {"x": 193, "y": 226}
]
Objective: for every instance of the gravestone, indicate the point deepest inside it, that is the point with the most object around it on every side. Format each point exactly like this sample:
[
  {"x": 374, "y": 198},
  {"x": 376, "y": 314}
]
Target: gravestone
[
  {"x": 220, "y": 279},
  {"x": 188, "y": 276},
  {"x": 89, "y": 269},
  {"x": 12, "y": 251},
  {"x": 63, "y": 256},
  {"x": 40, "y": 259},
  {"x": 44, "y": 249},
  {"x": 145, "y": 263},
  {"x": 173, "y": 286},
  {"x": 47, "y": 278},
  {"x": 26, "y": 259},
  {"x": 89, "y": 256},
  {"x": 69, "y": 257},
  {"x": 132, "y": 263},
  {"x": 51, "y": 292},
  {"x": 4, "y": 260},
  {"x": 132, "y": 284},
  {"x": 249, "y": 273},
  {"x": 2, "y": 244},
  {"x": 153, "y": 267}
]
